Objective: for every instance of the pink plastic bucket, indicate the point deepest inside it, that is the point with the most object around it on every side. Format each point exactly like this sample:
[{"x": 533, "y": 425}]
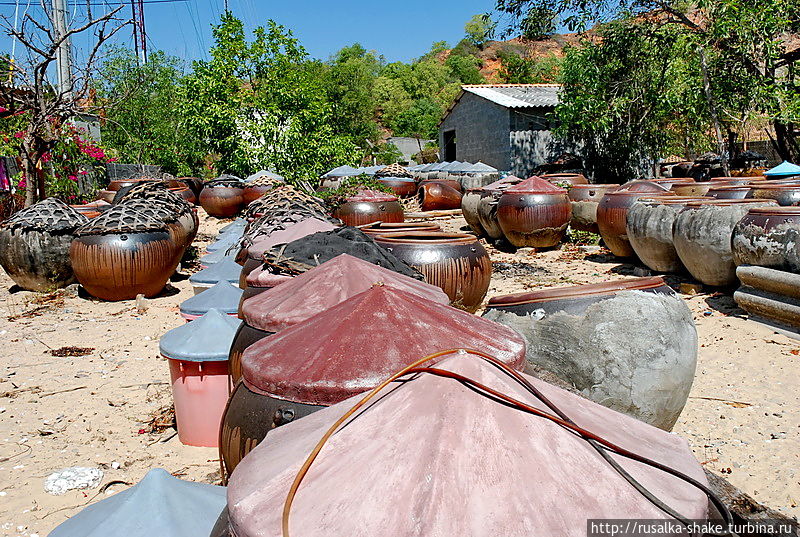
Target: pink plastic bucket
[{"x": 200, "y": 392}]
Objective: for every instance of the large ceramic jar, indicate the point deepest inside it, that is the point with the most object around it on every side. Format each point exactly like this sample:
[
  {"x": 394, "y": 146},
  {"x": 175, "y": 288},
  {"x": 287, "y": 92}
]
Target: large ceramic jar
[
  {"x": 452, "y": 183},
  {"x": 629, "y": 345},
  {"x": 124, "y": 253},
  {"x": 702, "y": 238},
  {"x": 223, "y": 197},
  {"x": 692, "y": 188},
  {"x": 584, "y": 200},
  {"x": 384, "y": 228},
  {"x": 258, "y": 187},
  {"x": 785, "y": 193},
  {"x": 534, "y": 213},
  {"x": 729, "y": 191},
  {"x": 402, "y": 187},
  {"x": 165, "y": 201},
  {"x": 649, "y": 228},
  {"x": 487, "y": 206},
  {"x": 34, "y": 245},
  {"x": 613, "y": 210},
  {"x": 159, "y": 211},
  {"x": 455, "y": 262},
  {"x": 370, "y": 206},
  {"x": 471, "y": 200},
  {"x": 565, "y": 178},
  {"x": 438, "y": 196},
  {"x": 763, "y": 236}
]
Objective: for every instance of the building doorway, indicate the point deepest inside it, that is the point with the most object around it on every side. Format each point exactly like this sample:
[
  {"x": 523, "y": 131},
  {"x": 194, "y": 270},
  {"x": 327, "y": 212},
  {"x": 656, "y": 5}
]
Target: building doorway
[{"x": 449, "y": 149}]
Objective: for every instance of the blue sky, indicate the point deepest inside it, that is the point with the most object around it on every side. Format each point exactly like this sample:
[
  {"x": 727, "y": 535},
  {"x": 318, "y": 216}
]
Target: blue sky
[{"x": 399, "y": 30}]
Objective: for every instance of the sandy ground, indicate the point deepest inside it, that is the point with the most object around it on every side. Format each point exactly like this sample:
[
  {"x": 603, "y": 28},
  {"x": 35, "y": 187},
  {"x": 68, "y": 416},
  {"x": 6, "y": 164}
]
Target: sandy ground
[{"x": 95, "y": 410}]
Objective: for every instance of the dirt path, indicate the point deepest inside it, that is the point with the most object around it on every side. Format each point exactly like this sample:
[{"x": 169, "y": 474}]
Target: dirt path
[{"x": 93, "y": 410}]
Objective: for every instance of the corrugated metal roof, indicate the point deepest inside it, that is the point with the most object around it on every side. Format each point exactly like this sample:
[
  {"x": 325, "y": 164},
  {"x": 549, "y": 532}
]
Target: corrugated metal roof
[{"x": 517, "y": 95}]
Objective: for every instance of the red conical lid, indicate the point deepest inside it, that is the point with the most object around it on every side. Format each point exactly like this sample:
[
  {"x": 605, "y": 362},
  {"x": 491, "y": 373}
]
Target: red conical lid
[
  {"x": 284, "y": 236},
  {"x": 352, "y": 347},
  {"x": 428, "y": 456},
  {"x": 535, "y": 185},
  {"x": 323, "y": 287}
]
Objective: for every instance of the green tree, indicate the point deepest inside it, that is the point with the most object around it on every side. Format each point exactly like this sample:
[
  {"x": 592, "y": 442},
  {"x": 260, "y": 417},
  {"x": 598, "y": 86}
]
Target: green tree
[
  {"x": 479, "y": 29},
  {"x": 519, "y": 70},
  {"x": 464, "y": 69},
  {"x": 260, "y": 104},
  {"x": 143, "y": 120},
  {"x": 539, "y": 22}
]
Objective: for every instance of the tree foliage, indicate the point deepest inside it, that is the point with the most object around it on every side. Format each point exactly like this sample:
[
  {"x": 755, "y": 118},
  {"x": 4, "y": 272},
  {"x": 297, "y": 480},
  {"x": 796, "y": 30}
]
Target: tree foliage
[{"x": 479, "y": 29}]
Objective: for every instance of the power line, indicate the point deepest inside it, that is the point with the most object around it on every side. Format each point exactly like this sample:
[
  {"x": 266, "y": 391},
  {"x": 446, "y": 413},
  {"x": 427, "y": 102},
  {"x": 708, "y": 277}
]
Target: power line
[{"x": 110, "y": 3}]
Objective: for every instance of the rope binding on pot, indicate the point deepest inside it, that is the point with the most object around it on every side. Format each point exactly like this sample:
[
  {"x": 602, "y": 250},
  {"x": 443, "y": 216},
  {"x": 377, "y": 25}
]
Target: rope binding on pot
[
  {"x": 122, "y": 218},
  {"x": 51, "y": 215}
]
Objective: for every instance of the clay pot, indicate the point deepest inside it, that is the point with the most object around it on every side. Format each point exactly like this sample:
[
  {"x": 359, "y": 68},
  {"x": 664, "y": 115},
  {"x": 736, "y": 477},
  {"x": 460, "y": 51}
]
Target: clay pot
[
  {"x": 92, "y": 209},
  {"x": 692, "y": 188},
  {"x": 702, "y": 238},
  {"x": 383, "y": 228},
  {"x": 106, "y": 195},
  {"x": 452, "y": 183},
  {"x": 649, "y": 228},
  {"x": 584, "y": 200},
  {"x": 245, "y": 336},
  {"x": 437, "y": 196},
  {"x": 612, "y": 212},
  {"x": 734, "y": 181},
  {"x": 251, "y": 193},
  {"x": 222, "y": 200},
  {"x": 763, "y": 236},
  {"x": 669, "y": 182},
  {"x": 455, "y": 262},
  {"x": 367, "y": 207},
  {"x": 628, "y": 345},
  {"x": 37, "y": 260},
  {"x": 402, "y": 187},
  {"x": 566, "y": 178},
  {"x": 117, "y": 184},
  {"x": 185, "y": 193},
  {"x": 471, "y": 200},
  {"x": 534, "y": 213},
  {"x": 785, "y": 193},
  {"x": 729, "y": 192}
]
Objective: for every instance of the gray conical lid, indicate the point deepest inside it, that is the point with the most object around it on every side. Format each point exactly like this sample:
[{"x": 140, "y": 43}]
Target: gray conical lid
[
  {"x": 482, "y": 167},
  {"x": 217, "y": 257},
  {"x": 225, "y": 270},
  {"x": 50, "y": 215},
  {"x": 227, "y": 240},
  {"x": 224, "y": 297},
  {"x": 463, "y": 167},
  {"x": 207, "y": 339},
  {"x": 238, "y": 223},
  {"x": 159, "y": 505},
  {"x": 341, "y": 171},
  {"x": 264, "y": 173}
]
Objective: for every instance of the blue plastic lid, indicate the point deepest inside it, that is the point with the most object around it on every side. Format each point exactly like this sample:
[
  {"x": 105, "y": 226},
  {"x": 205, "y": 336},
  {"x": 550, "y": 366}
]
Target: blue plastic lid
[
  {"x": 238, "y": 223},
  {"x": 217, "y": 257},
  {"x": 225, "y": 270},
  {"x": 224, "y": 297},
  {"x": 159, "y": 504},
  {"x": 207, "y": 339},
  {"x": 784, "y": 168},
  {"x": 227, "y": 240}
]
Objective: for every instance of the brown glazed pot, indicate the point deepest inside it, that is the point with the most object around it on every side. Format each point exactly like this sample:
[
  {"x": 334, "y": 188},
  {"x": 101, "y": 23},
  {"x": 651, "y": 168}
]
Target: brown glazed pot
[
  {"x": 185, "y": 193},
  {"x": 366, "y": 208},
  {"x": 254, "y": 415},
  {"x": 785, "y": 193},
  {"x": 251, "y": 193},
  {"x": 245, "y": 336},
  {"x": 734, "y": 181},
  {"x": 584, "y": 200},
  {"x": 37, "y": 260},
  {"x": 384, "y": 228},
  {"x": 612, "y": 212},
  {"x": 566, "y": 178},
  {"x": 120, "y": 266},
  {"x": 764, "y": 236},
  {"x": 437, "y": 196},
  {"x": 122, "y": 183},
  {"x": 702, "y": 238},
  {"x": 729, "y": 191},
  {"x": 692, "y": 188},
  {"x": 106, "y": 195},
  {"x": 471, "y": 200},
  {"x": 222, "y": 201},
  {"x": 401, "y": 186},
  {"x": 452, "y": 183},
  {"x": 534, "y": 213},
  {"x": 649, "y": 226},
  {"x": 455, "y": 262}
]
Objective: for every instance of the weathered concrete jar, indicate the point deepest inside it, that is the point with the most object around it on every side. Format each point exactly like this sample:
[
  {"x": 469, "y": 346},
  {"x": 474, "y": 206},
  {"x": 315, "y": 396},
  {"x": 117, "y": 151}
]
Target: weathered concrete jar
[
  {"x": 649, "y": 226},
  {"x": 729, "y": 192},
  {"x": 370, "y": 206},
  {"x": 584, "y": 200},
  {"x": 534, "y": 213},
  {"x": 770, "y": 293},
  {"x": 35, "y": 242},
  {"x": 455, "y": 262},
  {"x": 785, "y": 193},
  {"x": 763, "y": 236},
  {"x": 438, "y": 196},
  {"x": 629, "y": 345},
  {"x": 344, "y": 350},
  {"x": 124, "y": 253},
  {"x": 223, "y": 197},
  {"x": 613, "y": 210},
  {"x": 702, "y": 238},
  {"x": 487, "y": 206},
  {"x": 472, "y": 199}
]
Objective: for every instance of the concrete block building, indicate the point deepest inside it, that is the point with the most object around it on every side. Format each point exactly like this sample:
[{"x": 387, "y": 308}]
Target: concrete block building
[{"x": 503, "y": 125}]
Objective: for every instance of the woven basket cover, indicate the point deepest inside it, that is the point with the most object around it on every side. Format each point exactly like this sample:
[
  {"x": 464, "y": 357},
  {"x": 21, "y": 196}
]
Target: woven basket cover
[
  {"x": 122, "y": 219},
  {"x": 225, "y": 180},
  {"x": 51, "y": 215},
  {"x": 154, "y": 208},
  {"x": 153, "y": 191},
  {"x": 265, "y": 180},
  {"x": 393, "y": 170}
]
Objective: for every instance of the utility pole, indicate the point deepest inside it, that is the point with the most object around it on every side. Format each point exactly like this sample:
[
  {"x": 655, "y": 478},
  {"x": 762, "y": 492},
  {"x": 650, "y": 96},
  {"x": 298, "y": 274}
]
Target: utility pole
[
  {"x": 139, "y": 32},
  {"x": 64, "y": 52}
]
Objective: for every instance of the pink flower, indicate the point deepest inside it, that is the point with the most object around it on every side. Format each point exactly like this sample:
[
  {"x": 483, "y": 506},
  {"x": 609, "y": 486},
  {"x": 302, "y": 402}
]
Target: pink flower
[
  {"x": 22, "y": 183},
  {"x": 83, "y": 172},
  {"x": 2, "y": 109},
  {"x": 73, "y": 178},
  {"x": 19, "y": 134},
  {"x": 46, "y": 157}
]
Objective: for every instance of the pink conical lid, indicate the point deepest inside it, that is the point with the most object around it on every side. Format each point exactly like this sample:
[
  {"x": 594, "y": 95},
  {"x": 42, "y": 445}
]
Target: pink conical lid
[
  {"x": 429, "y": 456},
  {"x": 502, "y": 183},
  {"x": 285, "y": 236},
  {"x": 323, "y": 287},
  {"x": 535, "y": 185},
  {"x": 352, "y": 347}
]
